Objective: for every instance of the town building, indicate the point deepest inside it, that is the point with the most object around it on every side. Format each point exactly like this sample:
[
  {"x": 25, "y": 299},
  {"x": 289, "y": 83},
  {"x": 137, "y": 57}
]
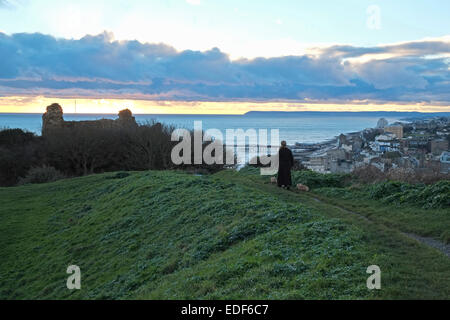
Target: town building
[
  {"x": 420, "y": 145},
  {"x": 386, "y": 143},
  {"x": 397, "y": 130},
  {"x": 445, "y": 162},
  {"x": 439, "y": 146}
]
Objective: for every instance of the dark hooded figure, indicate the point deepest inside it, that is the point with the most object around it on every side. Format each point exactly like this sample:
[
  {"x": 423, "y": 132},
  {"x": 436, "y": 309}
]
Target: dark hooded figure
[{"x": 286, "y": 163}]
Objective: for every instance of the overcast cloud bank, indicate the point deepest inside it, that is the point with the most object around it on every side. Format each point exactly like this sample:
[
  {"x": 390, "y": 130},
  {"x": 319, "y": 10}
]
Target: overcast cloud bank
[{"x": 98, "y": 66}]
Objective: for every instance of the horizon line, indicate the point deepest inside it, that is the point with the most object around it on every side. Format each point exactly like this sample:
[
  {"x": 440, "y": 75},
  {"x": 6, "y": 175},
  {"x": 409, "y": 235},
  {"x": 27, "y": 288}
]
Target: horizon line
[{"x": 236, "y": 114}]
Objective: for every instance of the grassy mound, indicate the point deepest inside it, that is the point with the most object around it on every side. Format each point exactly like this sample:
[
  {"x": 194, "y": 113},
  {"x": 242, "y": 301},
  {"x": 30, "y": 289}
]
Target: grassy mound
[{"x": 171, "y": 235}]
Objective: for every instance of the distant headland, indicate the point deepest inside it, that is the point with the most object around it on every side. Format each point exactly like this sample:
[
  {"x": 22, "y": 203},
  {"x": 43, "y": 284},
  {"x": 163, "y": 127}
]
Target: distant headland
[{"x": 402, "y": 114}]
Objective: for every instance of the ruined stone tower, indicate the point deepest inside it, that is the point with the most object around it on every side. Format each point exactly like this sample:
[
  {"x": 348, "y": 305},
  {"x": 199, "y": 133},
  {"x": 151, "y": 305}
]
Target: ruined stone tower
[{"x": 53, "y": 118}]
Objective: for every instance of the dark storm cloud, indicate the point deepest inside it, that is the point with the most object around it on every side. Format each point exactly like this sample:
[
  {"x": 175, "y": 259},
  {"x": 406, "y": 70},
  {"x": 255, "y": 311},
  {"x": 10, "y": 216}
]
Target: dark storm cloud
[{"x": 97, "y": 66}]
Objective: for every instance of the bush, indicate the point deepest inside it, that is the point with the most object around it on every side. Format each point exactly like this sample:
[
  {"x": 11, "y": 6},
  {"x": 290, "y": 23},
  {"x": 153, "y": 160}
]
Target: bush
[
  {"x": 41, "y": 175},
  {"x": 371, "y": 174},
  {"x": 368, "y": 174},
  {"x": 319, "y": 180},
  {"x": 119, "y": 175},
  {"x": 433, "y": 196},
  {"x": 19, "y": 151},
  {"x": 384, "y": 189},
  {"x": 86, "y": 148},
  {"x": 89, "y": 149}
]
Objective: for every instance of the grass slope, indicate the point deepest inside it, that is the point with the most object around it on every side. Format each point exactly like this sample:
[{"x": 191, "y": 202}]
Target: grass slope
[
  {"x": 171, "y": 235},
  {"x": 419, "y": 209}
]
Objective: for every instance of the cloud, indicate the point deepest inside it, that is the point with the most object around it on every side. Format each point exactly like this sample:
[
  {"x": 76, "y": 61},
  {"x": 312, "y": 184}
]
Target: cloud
[{"x": 98, "y": 66}]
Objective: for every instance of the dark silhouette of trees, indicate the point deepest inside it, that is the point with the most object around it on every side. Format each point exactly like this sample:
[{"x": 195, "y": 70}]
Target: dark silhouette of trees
[
  {"x": 87, "y": 149},
  {"x": 19, "y": 152}
]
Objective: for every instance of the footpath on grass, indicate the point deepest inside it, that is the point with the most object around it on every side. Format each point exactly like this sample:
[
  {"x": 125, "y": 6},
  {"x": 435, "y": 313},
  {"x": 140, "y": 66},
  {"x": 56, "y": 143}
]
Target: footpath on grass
[
  {"x": 430, "y": 242},
  {"x": 427, "y": 241}
]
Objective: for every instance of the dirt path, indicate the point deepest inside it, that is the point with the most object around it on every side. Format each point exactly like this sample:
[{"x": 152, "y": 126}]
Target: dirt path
[
  {"x": 427, "y": 241},
  {"x": 430, "y": 242}
]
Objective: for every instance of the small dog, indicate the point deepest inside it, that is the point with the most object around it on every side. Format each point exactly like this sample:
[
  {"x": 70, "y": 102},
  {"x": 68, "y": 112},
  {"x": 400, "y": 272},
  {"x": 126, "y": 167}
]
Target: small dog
[{"x": 302, "y": 187}]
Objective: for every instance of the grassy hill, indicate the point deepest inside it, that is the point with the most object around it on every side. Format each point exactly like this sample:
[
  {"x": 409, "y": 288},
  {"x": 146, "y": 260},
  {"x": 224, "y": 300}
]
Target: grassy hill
[
  {"x": 412, "y": 208},
  {"x": 173, "y": 235}
]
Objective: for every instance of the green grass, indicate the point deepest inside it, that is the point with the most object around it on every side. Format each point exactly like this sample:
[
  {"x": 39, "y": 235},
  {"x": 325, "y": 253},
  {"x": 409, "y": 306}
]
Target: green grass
[
  {"x": 171, "y": 235},
  {"x": 412, "y": 210}
]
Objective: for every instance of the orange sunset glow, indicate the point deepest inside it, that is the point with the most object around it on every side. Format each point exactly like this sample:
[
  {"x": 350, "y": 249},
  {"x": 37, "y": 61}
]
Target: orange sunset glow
[{"x": 112, "y": 106}]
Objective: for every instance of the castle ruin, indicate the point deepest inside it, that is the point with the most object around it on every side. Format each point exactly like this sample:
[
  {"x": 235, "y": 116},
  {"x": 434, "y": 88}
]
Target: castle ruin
[{"x": 53, "y": 119}]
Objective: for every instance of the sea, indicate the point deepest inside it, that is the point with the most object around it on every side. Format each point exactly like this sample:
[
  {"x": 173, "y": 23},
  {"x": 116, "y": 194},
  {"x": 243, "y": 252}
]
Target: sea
[{"x": 295, "y": 127}]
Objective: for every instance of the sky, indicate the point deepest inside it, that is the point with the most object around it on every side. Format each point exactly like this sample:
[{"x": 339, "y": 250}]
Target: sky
[{"x": 210, "y": 56}]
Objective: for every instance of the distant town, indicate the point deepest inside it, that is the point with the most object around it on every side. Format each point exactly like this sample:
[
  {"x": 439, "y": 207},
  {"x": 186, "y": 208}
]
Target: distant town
[{"x": 418, "y": 145}]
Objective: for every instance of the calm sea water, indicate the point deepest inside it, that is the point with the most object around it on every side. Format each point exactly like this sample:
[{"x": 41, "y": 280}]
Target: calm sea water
[{"x": 303, "y": 128}]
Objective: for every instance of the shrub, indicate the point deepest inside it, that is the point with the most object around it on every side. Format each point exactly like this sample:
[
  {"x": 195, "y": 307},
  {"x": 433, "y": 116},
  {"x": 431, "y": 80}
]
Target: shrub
[
  {"x": 19, "y": 151},
  {"x": 384, "y": 189},
  {"x": 119, "y": 175},
  {"x": 88, "y": 148},
  {"x": 433, "y": 196},
  {"x": 371, "y": 174},
  {"x": 318, "y": 180},
  {"x": 41, "y": 175},
  {"x": 368, "y": 174}
]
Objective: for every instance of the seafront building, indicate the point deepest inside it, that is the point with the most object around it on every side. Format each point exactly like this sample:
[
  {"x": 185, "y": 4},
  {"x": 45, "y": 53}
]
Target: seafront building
[
  {"x": 397, "y": 130},
  {"x": 421, "y": 145}
]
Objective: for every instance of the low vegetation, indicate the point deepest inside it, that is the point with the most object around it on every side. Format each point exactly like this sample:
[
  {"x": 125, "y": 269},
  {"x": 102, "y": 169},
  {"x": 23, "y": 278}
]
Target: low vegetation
[
  {"x": 371, "y": 174},
  {"x": 317, "y": 180},
  {"x": 78, "y": 151},
  {"x": 418, "y": 208},
  {"x": 41, "y": 175},
  {"x": 174, "y": 235}
]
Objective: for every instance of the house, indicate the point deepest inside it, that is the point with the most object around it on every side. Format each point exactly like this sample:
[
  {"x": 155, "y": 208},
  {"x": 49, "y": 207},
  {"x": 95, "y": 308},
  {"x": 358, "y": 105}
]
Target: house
[
  {"x": 338, "y": 154},
  {"x": 438, "y": 146},
  {"x": 317, "y": 164},
  {"x": 418, "y": 143},
  {"x": 443, "y": 132},
  {"x": 386, "y": 143},
  {"x": 445, "y": 162},
  {"x": 341, "y": 166}
]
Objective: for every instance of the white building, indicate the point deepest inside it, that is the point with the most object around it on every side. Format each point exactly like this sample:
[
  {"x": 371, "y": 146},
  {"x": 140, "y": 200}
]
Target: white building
[
  {"x": 445, "y": 162},
  {"x": 386, "y": 143}
]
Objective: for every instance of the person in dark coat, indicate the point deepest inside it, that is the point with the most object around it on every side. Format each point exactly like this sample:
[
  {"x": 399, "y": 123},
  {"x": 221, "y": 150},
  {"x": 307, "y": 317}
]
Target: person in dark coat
[{"x": 286, "y": 162}]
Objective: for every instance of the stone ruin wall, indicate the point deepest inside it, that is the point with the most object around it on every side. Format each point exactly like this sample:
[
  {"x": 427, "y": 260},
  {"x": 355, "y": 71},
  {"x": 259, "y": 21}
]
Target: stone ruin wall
[{"x": 53, "y": 119}]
